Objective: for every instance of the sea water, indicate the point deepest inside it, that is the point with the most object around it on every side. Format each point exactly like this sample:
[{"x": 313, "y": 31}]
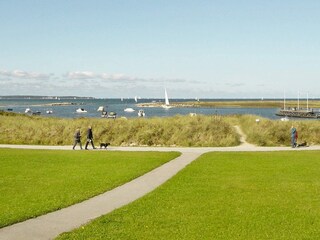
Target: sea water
[{"x": 118, "y": 106}]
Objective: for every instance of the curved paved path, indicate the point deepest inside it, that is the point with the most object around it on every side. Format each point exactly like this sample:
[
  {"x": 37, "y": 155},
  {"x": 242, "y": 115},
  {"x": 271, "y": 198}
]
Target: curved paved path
[{"x": 50, "y": 225}]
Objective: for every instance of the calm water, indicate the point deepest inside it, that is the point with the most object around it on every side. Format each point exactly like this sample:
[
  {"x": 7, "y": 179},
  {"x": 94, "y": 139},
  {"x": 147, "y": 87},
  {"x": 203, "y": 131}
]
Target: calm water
[{"x": 118, "y": 106}]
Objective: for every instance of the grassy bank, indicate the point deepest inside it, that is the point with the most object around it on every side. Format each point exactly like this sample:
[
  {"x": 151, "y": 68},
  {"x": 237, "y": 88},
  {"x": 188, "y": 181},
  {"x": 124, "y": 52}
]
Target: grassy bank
[
  {"x": 277, "y": 133},
  {"x": 198, "y": 131},
  {"x": 224, "y": 196},
  {"x": 171, "y": 131},
  {"x": 34, "y": 182}
]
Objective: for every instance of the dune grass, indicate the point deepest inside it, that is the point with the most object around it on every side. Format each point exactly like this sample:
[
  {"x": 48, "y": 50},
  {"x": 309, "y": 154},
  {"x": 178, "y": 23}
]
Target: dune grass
[
  {"x": 277, "y": 133},
  {"x": 185, "y": 131},
  {"x": 172, "y": 131},
  {"x": 269, "y": 195},
  {"x": 34, "y": 182}
]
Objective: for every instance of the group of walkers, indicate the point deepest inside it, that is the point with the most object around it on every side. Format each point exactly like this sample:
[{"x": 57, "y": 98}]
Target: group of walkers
[{"x": 77, "y": 139}]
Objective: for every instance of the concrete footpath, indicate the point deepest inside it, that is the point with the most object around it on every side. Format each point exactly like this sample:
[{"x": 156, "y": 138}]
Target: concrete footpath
[{"x": 50, "y": 225}]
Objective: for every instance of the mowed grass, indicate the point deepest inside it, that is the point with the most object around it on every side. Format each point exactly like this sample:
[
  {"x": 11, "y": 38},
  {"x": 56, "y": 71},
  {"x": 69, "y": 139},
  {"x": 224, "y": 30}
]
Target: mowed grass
[
  {"x": 34, "y": 182},
  {"x": 269, "y": 195}
]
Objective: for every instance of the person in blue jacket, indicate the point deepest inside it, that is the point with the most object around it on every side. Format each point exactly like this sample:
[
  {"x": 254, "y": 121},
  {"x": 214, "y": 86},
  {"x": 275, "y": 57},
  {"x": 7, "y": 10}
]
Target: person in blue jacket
[{"x": 294, "y": 136}]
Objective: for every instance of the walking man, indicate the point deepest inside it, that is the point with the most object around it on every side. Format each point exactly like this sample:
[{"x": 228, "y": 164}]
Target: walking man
[
  {"x": 77, "y": 139},
  {"x": 89, "y": 138}
]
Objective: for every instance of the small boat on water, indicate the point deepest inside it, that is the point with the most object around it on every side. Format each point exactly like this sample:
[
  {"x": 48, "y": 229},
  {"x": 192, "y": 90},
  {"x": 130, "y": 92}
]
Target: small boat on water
[
  {"x": 36, "y": 113},
  {"x": 166, "y": 99},
  {"x": 129, "y": 110},
  {"x": 29, "y": 111},
  {"x": 141, "y": 113},
  {"x": 100, "y": 109},
  {"x": 298, "y": 113},
  {"x": 284, "y": 119},
  {"x": 109, "y": 115},
  {"x": 81, "y": 110},
  {"x": 49, "y": 111}
]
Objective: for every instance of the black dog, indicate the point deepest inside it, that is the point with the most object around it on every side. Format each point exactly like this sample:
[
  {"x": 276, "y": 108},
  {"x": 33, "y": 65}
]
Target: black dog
[
  {"x": 303, "y": 144},
  {"x": 105, "y": 145}
]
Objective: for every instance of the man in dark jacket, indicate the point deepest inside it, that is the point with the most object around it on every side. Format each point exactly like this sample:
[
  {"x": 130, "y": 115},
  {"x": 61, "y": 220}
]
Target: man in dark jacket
[
  {"x": 77, "y": 139},
  {"x": 89, "y": 138}
]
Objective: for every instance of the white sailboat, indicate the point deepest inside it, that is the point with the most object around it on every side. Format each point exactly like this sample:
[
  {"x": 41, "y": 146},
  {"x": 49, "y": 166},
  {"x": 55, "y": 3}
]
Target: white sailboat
[{"x": 167, "y": 104}]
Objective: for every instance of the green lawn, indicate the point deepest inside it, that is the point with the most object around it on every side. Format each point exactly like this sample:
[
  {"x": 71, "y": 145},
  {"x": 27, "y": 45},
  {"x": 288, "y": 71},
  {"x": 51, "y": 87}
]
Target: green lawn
[
  {"x": 224, "y": 196},
  {"x": 34, "y": 182}
]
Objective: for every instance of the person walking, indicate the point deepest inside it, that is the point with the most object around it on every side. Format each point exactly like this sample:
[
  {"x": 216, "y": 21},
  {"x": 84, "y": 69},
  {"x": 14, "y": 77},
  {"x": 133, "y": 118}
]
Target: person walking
[
  {"x": 77, "y": 139},
  {"x": 294, "y": 137},
  {"x": 89, "y": 138}
]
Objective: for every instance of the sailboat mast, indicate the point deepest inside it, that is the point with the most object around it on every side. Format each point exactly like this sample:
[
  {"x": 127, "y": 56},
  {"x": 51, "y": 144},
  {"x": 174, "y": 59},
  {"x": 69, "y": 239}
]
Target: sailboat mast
[
  {"x": 307, "y": 101},
  {"x": 298, "y": 99}
]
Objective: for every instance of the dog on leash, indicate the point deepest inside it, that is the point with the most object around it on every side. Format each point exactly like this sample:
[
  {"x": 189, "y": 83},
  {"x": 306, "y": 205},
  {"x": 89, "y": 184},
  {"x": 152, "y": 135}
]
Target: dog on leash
[
  {"x": 105, "y": 145},
  {"x": 303, "y": 144}
]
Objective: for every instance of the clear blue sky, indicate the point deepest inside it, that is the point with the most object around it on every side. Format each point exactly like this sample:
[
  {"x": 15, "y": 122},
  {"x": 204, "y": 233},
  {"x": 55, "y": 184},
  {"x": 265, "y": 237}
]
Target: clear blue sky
[{"x": 124, "y": 48}]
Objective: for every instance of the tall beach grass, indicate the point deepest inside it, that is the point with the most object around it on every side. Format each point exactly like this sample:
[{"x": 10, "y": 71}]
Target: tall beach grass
[
  {"x": 268, "y": 132},
  {"x": 185, "y": 131},
  {"x": 200, "y": 131}
]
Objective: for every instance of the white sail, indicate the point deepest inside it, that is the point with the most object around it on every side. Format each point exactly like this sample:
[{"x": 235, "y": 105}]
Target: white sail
[
  {"x": 167, "y": 104},
  {"x": 136, "y": 99},
  {"x": 166, "y": 97}
]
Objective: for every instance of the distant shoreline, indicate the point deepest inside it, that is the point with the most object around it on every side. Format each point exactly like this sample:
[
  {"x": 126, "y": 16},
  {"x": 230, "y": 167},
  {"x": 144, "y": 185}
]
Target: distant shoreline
[
  {"x": 235, "y": 104},
  {"x": 186, "y": 103},
  {"x": 57, "y": 104},
  {"x": 54, "y": 104},
  {"x": 35, "y": 97}
]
